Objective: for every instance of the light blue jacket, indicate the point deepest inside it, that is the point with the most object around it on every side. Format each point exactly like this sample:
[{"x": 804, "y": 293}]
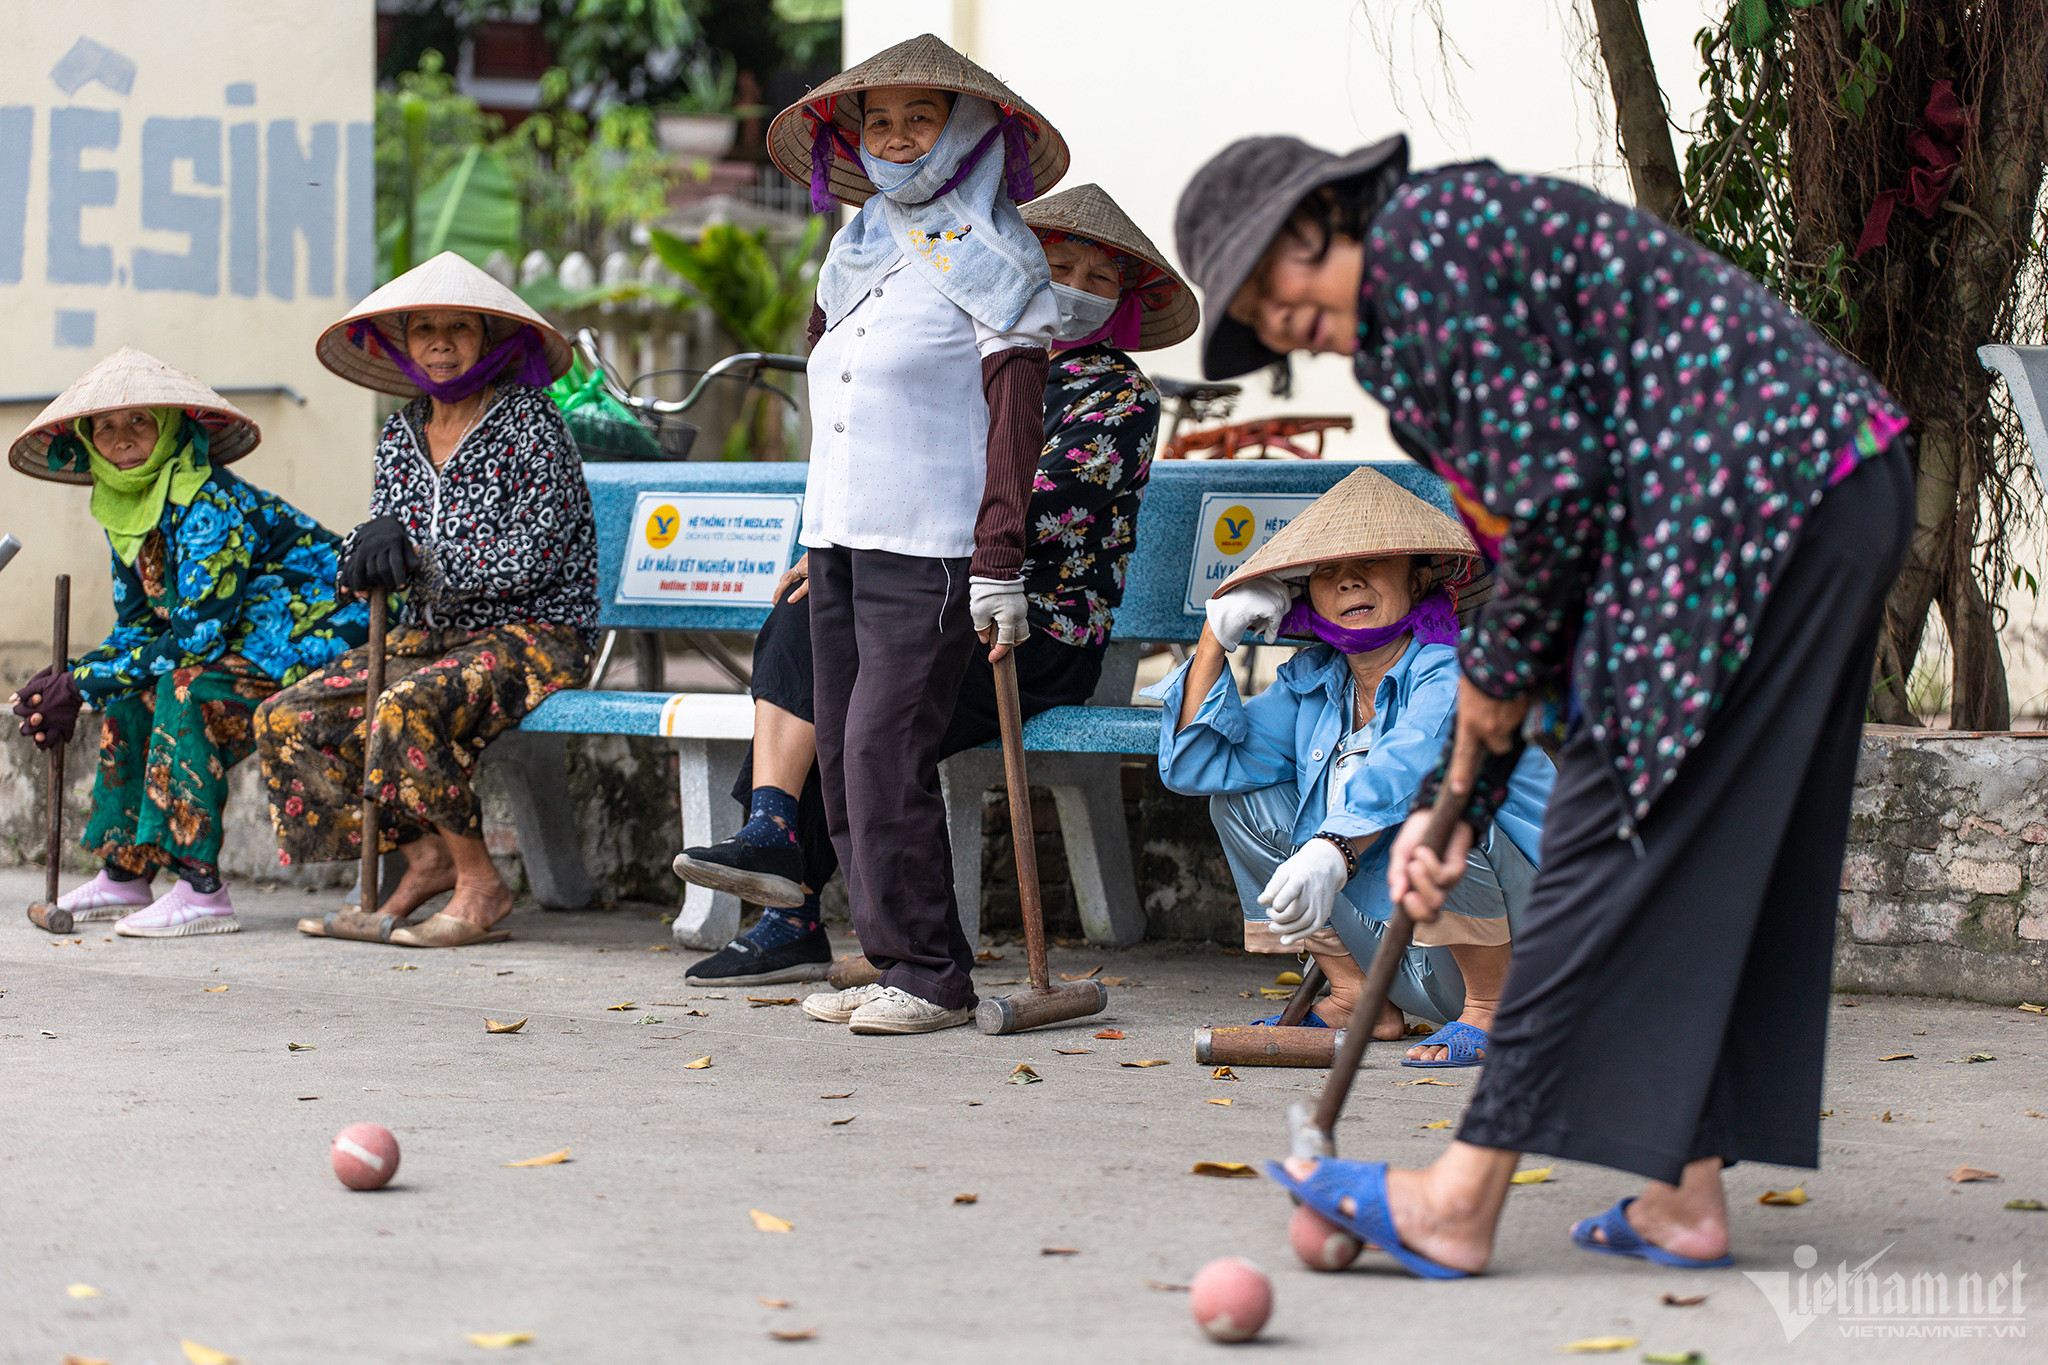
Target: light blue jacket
[{"x": 1292, "y": 729}]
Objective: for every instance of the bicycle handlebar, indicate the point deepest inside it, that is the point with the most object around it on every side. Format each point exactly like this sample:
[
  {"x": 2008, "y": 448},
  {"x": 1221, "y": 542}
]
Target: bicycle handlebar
[{"x": 751, "y": 362}]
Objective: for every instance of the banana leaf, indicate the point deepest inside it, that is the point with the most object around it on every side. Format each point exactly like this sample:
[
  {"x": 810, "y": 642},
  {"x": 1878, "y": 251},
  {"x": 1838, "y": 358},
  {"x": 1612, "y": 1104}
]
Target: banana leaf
[{"x": 471, "y": 211}]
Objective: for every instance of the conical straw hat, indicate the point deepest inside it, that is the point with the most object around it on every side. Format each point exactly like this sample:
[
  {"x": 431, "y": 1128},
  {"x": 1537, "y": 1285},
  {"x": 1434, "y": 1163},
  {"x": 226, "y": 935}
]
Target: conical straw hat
[
  {"x": 1365, "y": 516},
  {"x": 447, "y": 281},
  {"x": 130, "y": 379},
  {"x": 925, "y": 61},
  {"x": 1169, "y": 311}
]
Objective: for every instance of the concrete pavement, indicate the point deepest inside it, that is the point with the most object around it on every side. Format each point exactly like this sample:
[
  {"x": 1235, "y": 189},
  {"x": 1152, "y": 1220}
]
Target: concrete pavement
[{"x": 167, "y": 1148}]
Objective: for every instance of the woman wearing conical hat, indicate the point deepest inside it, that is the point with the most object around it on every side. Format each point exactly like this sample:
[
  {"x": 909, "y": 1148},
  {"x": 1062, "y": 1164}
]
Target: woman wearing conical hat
[
  {"x": 222, "y": 593},
  {"x": 935, "y": 309},
  {"x": 1116, "y": 294},
  {"x": 1311, "y": 778},
  {"x": 480, "y": 515}
]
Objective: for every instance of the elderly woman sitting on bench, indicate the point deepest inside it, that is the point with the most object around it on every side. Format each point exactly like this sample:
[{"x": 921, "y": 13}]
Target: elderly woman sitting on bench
[{"x": 1310, "y": 779}]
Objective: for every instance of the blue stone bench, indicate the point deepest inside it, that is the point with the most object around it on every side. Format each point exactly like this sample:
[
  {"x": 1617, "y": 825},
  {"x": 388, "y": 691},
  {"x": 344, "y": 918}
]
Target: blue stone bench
[{"x": 1075, "y": 750}]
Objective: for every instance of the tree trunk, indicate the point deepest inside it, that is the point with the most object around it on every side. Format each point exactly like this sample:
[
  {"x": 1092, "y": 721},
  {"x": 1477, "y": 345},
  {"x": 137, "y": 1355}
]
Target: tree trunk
[{"x": 1640, "y": 118}]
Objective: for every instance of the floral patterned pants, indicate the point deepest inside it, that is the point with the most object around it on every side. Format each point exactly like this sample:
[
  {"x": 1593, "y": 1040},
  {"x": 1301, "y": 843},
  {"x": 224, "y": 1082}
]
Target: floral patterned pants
[
  {"x": 164, "y": 760},
  {"x": 447, "y": 694}
]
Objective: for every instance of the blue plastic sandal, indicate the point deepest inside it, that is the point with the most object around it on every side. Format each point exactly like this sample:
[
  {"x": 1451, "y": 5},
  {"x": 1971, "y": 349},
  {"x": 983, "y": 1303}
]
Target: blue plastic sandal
[
  {"x": 1621, "y": 1239},
  {"x": 1465, "y": 1042},
  {"x": 1365, "y": 1184},
  {"x": 1309, "y": 1020}
]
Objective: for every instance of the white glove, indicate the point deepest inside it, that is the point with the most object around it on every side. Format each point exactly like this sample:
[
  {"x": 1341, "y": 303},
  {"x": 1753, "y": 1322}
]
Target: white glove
[
  {"x": 1304, "y": 890},
  {"x": 999, "y": 602},
  {"x": 1253, "y": 607}
]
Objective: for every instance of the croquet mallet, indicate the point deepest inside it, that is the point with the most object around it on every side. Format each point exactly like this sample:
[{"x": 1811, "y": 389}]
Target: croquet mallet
[
  {"x": 373, "y": 693},
  {"x": 1282, "y": 1044},
  {"x": 1044, "y": 1003},
  {"x": 44, "y": 914}
]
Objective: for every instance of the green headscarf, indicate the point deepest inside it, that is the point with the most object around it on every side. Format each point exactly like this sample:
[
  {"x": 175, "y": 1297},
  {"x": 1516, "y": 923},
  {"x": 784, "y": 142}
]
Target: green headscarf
[{"x": 130, "y": 502}]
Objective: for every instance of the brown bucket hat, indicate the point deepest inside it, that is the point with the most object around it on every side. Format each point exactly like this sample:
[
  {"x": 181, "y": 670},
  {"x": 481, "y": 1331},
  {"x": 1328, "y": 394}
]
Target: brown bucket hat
[
  {"x": 1167, "y": 306},
  {"x": 1233, "y": 209},
  {"x": 127, "y": 379},
  {"x": 925, "y": 61}
]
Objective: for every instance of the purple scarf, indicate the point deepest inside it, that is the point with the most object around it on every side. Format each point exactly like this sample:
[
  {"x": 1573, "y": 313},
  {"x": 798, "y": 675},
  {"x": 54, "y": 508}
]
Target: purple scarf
[
  {"x": 1432, "y": 621},
  {"x": 1123, "y": 328},
  {"x": 522, "y": 356}
]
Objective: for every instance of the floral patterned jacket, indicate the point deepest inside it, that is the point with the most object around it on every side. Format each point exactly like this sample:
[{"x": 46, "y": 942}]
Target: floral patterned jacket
[
  {"x": 505, "y": 529},
  {"x": 1634, "y": 430},
  {"x": 237, "y": 572},
  {"x": 1101, "y": 420}
]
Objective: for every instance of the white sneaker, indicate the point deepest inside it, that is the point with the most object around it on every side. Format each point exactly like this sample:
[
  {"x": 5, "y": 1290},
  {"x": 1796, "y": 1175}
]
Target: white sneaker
[
  {"x": 181, "y": 911},
  {"x": 104, "y": 898},
  {"x": 894, "y": 1010},
  {"x": 836, "y": 1007}
]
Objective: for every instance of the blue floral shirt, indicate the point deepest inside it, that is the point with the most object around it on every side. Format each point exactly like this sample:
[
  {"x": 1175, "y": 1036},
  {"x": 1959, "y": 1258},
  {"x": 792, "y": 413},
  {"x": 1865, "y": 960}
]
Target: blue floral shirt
[{"x": 237, "y": 572}]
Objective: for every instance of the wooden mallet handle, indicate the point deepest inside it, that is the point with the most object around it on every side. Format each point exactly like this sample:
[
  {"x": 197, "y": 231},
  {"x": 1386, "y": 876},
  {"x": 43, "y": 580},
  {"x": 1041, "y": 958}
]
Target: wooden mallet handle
[
  {"x": 373, "y": 692},
  {"x": 1010, "y": 720},
  {"x": 60, "y": 657}
]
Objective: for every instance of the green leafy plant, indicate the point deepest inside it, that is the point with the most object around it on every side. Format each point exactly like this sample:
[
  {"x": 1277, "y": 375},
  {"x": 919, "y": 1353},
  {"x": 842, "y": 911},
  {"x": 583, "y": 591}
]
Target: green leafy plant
[
  {"x": 708, "y": 86},
  {"x": 424, "y": 129},
  {"x": 471, "y": 210}
]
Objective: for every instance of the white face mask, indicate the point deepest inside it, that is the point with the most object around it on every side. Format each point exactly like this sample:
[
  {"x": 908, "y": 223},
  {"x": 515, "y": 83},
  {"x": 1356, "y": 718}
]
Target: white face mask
[{"x": 1080, "y": 312}]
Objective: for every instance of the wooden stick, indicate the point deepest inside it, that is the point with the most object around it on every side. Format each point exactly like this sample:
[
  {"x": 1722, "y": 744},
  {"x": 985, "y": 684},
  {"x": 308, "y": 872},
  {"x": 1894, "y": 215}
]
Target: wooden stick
[
  {"x": 1010, "y": 718},
  {"x": 373, "y": 692},
  {"x": 1304, "y": 998},
  {"x": 60, "y": 658}
]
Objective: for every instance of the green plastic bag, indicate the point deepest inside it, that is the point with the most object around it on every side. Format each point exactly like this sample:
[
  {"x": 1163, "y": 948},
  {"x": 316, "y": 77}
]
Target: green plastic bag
[{"x": 604, "y": 429}]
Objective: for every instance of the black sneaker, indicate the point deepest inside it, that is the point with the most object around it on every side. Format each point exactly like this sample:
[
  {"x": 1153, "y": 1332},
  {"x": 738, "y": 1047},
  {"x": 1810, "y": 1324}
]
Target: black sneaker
[
  {"x": 771, "y": 875},
  {"x": 743, "y": 962}
]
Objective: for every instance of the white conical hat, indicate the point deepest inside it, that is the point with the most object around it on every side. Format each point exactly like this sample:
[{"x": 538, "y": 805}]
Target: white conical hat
[
  {"x": 924, "y": 61},
  {"x": 447, "y": 281},
  {"x": 1167, "y": 306},
  {"x": 130, "y": 379},
  {"x": 1363, "y": 517}
]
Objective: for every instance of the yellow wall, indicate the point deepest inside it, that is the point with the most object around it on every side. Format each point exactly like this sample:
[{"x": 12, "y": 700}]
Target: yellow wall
[{"x": 240, "y": 130}]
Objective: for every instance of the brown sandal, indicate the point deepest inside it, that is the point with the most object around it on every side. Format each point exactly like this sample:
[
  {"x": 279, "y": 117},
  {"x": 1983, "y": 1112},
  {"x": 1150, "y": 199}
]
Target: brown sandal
[
  {"x": 358, "y": 925},
  {"x": 442, "y": 930}
]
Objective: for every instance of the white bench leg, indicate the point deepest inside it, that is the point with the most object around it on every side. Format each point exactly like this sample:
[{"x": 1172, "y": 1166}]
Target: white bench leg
[
  {"x": 963, "y": 778},
  {"x": 537, "y": 784},
  {"x": 709, "y": 919},
  {"x": 1088, "y": 790}
]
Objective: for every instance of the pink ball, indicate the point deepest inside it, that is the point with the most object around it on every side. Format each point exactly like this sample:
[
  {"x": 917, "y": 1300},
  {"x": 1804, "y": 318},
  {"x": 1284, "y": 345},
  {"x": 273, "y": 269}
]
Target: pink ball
[
  {"x": 1231, "y": 1299},
  {"x": 365, "y": 1156},
  {"x": 1321, "y": 1244}
]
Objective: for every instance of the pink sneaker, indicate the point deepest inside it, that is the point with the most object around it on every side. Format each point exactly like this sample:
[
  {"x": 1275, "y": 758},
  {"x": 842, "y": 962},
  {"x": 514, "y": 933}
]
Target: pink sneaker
[
  {"x": 104, "y": 898},
  {"x": 181, "y": 911}
]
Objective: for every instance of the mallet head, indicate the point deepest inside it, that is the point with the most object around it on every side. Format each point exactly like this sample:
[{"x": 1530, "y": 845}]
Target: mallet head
[
  {"x": 998, "y": 1014},
  {"x": 50, "y": 918}
]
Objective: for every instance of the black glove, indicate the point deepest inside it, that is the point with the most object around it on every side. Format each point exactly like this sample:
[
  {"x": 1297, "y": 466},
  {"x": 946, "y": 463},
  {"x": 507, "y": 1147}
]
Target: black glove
[
  {"x": 53, "y": 696},
  {"x": 381, "y": 557}
]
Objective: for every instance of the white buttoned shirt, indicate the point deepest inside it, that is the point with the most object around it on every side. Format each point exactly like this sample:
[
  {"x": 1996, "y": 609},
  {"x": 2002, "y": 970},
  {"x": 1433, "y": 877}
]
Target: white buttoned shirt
[{"x": 899, "y": 424}]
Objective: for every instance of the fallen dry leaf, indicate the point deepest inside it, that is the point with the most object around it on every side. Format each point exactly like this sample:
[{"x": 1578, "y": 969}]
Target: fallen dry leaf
[
  {"x": 1082, "y": 976},
  {"x": 46, "y": 1033},
  {"x": 1430, "y": 1080},
  {"x": 1216, "y": 1101},
  {"x": 498, "y": 1341},
  {"x": 2034, "y": 1114},
  {"x": 1677, "y": 1357},
  {"x": 83, "y": 1291},
  {"x": 845, "y": 1096},
  {"x": 551, "y": 1159},
  {"x": 2034, "y": 1009},
  {"x": 1073, "y": 1051},
  {"x": 1594, "y": 1345},
  {"x": 1059, "y": 1251},
  {"x": 699, "y": 1064},
  {"x": 1287, "y": 979},
  {"x": 1118, "y": 981},
  {"x": 1166, "y": 1285},
  {"x": 1980, "y": 1057},
  {"x": 966, "y": 1198},
  {"x": 493, "y": 1026},
  {"x": 87, "y": 1360},
  {"x": 216, "y": 990},
  {"x": 767, "y": 1302},
  {"x": 768, "y": 1222},
  {"x": 406, "y": 967},
  {"x": 2026, "y": 1205},
  {"x": 1539, "y": 1176},
  {"x": 1440, "y": 1123},
  {"x": 794, "y": 1334},
  {"x": 1227, "y": 1170},
  {"x": 1685, "y": 1300},
  {"x": 841, "y": 1123},
  {"x": 299, "y": 1047},
  {"x": 1885, "y": 1117},
  {"x": 656, "y": 948},
  {"x": 1150, "y": 1061},
  {"x": 1024, "y": 1075},
  {"x": 1897, "y": 1057},
  {"x": 761, "y": 1001},
  {"x": 623, "y": 1005},
  {"x": 1275, "y": 992},
  {"x": 204, "y": 1355},
  {"x": 1795, "y": 1195},
  {"x": 1114, "y": 1035},
  {"x": 1963, "y": 1175},
  {"x": 988, "y": 955},
  {"x": 1224, "y": 1073}
]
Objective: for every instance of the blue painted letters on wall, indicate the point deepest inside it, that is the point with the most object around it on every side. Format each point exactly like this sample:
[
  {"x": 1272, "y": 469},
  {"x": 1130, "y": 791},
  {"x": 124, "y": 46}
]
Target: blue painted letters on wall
[
  {"x": 165, "y": 142},
  {"x": 73, "y": 189}
]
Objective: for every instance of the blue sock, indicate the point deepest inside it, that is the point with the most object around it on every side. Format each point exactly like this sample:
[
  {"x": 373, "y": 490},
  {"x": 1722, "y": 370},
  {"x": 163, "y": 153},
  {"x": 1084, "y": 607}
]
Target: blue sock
[
  {"x": 772, "y": 819},
  {"x": 778, "y": 926}
]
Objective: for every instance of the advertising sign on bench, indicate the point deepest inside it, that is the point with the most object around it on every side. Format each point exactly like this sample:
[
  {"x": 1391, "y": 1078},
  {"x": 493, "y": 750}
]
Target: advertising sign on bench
[
  {"x": 1228, "y": 527},
  {"x": 708, "y": 549}
]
